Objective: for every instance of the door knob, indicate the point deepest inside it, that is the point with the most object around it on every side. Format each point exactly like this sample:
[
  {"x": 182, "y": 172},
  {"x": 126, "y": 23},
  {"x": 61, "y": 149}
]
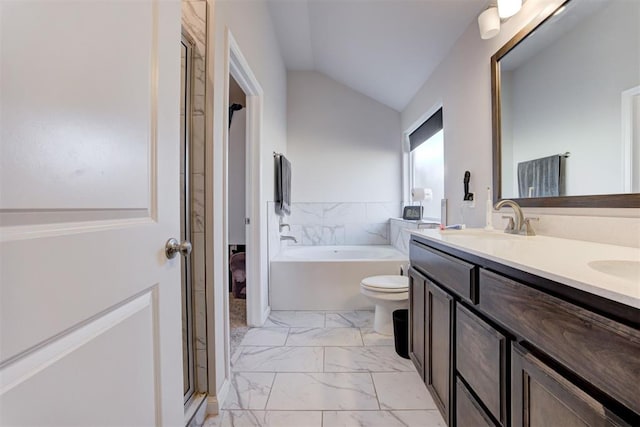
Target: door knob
[{"x": 173, "y": 247}]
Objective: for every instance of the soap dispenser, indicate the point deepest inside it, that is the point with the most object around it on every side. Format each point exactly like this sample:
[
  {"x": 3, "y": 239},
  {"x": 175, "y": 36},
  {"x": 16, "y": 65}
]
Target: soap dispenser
[{"x": 489, "y": 211}]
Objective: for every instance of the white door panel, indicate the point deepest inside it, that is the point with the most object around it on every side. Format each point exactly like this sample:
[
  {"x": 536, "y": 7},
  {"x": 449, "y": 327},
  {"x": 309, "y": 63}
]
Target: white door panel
[
  {"x": 90, "y": 330},
  {"x": 81, "y": 396},
  {"x": 82, "y": 135},
  {"x": 62, "y": 284}
]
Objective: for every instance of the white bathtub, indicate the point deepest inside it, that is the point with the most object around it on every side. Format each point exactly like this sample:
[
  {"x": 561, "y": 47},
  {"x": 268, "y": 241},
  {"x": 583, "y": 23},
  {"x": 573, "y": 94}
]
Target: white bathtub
[{"x": 328, "y": 277}]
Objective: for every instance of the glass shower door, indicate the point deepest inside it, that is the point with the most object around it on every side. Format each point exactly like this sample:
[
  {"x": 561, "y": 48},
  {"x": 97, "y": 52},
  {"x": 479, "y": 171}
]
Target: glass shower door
[{"x": 188, "y": 355}]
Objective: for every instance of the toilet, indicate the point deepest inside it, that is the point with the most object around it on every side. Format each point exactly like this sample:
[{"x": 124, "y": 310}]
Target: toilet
[{"x": 388, "y": 293}]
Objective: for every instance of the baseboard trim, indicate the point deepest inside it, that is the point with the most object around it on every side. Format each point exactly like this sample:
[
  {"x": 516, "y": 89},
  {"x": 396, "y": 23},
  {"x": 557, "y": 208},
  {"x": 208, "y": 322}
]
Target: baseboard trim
[
  {"x": 265, "y": 315},
  {"x": 214, "y": 403}
]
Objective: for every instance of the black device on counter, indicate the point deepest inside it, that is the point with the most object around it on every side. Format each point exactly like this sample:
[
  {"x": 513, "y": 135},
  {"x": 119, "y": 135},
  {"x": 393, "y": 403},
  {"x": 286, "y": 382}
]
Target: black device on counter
[
  {"x": 467, "y": 178},
  {"x": 412, "y": 212}
]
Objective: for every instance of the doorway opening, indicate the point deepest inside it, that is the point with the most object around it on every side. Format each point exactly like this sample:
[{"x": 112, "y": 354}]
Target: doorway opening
[
  {"x": 236, "y": 214},
  {"x": 254, "y": 217}
]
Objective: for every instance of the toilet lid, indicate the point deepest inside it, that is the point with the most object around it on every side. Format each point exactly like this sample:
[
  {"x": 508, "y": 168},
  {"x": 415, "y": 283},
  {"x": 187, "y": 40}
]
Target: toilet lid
[{"x": 386, "y": 283}]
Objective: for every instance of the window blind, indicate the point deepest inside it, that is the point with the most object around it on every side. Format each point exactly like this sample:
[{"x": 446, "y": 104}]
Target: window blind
[{"x": 430, "y": 127}]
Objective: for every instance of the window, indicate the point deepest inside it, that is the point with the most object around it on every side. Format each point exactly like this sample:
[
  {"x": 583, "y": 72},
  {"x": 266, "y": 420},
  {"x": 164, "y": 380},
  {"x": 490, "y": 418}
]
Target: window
[{"x": 426, "y": 162}]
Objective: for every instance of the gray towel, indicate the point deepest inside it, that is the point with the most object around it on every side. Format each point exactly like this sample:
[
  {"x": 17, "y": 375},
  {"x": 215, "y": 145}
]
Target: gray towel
[
  {"x": 282, "y": 194},
  {"x": 541, "y": 177}
]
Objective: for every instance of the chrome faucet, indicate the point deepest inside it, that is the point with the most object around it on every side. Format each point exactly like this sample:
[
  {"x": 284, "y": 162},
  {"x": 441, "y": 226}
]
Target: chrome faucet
[
  {"x": 513, "y": 228},
  {"x": 293, "y": 239},
  {"x": 283, "y": 225}
]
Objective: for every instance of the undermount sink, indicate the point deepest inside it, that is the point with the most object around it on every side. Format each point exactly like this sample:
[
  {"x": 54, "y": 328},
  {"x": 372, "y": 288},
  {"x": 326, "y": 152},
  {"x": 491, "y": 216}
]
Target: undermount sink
[
  {"x": 476, "y": 233},
  {"x": 624, "y": 269}
]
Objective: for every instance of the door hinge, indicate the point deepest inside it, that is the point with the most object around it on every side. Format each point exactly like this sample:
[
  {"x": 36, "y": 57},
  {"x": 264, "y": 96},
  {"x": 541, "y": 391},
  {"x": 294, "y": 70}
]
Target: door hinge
[{"x": 247, "y": 221}]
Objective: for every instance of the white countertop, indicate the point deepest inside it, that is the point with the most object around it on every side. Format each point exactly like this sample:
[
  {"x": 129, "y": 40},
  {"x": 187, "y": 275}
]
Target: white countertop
[{"x": 609, "y": 271}]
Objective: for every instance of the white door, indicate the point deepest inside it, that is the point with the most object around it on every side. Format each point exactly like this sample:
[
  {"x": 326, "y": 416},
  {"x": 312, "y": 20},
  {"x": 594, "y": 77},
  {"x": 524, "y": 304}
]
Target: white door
[{"x": 89, "y": 193}]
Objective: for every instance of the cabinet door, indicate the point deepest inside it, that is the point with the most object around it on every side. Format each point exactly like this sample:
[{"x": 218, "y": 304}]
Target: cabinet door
[
  {"x": 468, "y": 412},
  {"x": 542, "y": 397},
  {"x": 481, "y": 359},
  {"x": 438, "y": 373},
  {"x": 416, "y": 320}
]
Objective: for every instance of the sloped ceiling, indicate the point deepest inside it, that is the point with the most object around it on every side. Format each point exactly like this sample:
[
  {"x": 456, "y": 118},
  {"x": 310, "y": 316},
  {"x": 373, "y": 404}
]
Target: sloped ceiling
[{"x": 385, "y": 49}]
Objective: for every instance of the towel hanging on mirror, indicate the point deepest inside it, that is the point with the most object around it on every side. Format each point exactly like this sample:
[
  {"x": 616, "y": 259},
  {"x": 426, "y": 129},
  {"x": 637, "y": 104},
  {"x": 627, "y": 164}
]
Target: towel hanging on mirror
[{"x": 542, "y": 177}]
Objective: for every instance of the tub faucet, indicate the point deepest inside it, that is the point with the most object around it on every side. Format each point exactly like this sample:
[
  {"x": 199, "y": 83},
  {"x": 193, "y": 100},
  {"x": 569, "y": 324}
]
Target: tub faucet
[
  {"x": 289, "y": 238},
  {"x": 512, "y": 228}
]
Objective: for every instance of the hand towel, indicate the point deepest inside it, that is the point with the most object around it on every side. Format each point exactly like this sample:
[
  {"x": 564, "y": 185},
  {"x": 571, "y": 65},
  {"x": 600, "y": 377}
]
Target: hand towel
[{"x": 541, "y": 177}]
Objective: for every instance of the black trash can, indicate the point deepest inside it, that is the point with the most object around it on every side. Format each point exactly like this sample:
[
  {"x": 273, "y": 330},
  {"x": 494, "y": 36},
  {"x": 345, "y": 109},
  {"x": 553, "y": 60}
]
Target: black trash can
[{"x": 401, "y": 332}]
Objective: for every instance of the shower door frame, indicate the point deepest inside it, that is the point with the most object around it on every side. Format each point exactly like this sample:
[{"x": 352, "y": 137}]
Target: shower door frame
[{"x": 189, "y": 44}]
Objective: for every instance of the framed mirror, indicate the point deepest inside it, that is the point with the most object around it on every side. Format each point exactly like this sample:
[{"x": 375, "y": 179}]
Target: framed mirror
[{"x": 566, "y": 108}]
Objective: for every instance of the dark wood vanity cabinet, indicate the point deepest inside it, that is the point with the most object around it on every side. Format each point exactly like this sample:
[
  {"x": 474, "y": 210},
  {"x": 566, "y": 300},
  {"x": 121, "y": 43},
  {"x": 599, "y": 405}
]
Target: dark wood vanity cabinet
[
  {"x": 502, "y": 348},
  {"x": 544, "y": 398},
  {"x": 438, "y": 338},
  {"x": 430, "y": 337},
  {"x": 417, "y": 318},
  {"x": 481, "y": 360},
  {"x": 468, "y": 410}
]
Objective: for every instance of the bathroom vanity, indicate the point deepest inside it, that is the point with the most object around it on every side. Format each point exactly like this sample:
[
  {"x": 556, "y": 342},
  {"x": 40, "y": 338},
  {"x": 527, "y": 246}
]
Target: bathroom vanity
[{"x": 511, "y": 330}]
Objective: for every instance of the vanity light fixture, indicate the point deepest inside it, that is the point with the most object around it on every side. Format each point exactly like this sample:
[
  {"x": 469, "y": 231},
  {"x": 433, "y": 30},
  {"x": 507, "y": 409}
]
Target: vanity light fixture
[
  {"x": 508, "y": 8},
  {"x": 489, "y": 23},
  {"x": 497, "y": 11}
]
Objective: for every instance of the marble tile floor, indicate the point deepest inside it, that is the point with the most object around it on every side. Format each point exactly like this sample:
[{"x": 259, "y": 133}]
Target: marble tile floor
[
  {"x": 237, "y": 321},
  {"x": 323, "y": 369}
]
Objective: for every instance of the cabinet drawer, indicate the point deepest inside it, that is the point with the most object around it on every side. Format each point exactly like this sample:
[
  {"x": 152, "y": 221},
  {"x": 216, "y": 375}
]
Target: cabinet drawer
[
  {"x": 481, "y": 361},
  {"x": 601, "y": 351},
  {"x": 543, "y": 397},
  {"x": 458, "y": 276},
  {"x": 468, "y": 412}
]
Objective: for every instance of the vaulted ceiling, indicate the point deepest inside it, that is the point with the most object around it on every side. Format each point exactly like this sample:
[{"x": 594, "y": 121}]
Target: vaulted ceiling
[{"x": 385, "y": 49}]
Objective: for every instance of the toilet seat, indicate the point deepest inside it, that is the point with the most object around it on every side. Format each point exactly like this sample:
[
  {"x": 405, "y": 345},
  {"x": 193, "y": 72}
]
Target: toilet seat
[
  {"x": 388, "y": 293},
  {"x": 386, "y": 284}
]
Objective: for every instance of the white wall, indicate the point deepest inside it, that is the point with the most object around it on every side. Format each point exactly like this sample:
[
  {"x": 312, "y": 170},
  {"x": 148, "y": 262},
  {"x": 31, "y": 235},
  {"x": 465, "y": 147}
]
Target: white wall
[
  {"x": 251, "y": 26},
  {"x": 237, "y": 150},
  {"x": 578, "y": 112},
  {"x": 462, "y": 83},
  {"x": 343, "y": 146}
]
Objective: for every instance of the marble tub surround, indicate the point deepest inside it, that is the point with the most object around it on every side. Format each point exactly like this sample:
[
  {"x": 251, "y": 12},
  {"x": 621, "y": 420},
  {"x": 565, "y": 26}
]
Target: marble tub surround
[
  {"x": 349, "y": 223},
  {"x": 339, "y": 377},
  {"x": 605, "y": 270},
  {"x": 400, "y": 232}
]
